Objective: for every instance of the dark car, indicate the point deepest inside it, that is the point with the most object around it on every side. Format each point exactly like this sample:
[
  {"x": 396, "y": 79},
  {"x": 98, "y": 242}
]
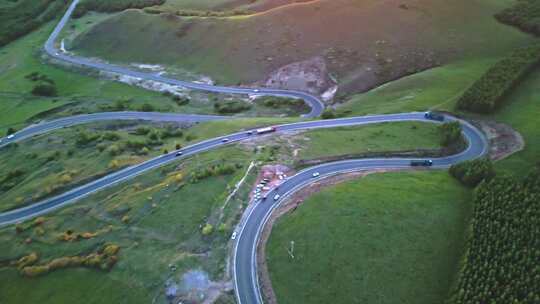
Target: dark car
[
  {"x": 434, "y": 116},
  {"x": 422, "y": 163}
]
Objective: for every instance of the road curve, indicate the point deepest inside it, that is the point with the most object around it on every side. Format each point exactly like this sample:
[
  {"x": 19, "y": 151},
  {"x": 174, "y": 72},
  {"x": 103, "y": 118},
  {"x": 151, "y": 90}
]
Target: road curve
[
  {"x": 312, "y": 101},
  {"x": 245, "y": 268},
  {"x": 63, "y": 199},
  {"x": 244, "y": 255},
  {"x": 47, "y": 126}
]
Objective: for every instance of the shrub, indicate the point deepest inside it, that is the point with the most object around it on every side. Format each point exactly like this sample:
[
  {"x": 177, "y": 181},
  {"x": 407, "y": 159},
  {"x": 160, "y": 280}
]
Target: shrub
[
  {"x": 471, "y": 173},
  {"x": 10, "y": 131},
  {"x": 144, "y": 151},
  {"x": 45, "y": 89},
  {"x": 450, "y": 133},
  {"x": 107, "y": 6},
  {"x": 525, "y": 14},
  {"x": 487, "y": 93},
  {"x": 231, "y": 106},
  {"x": 207, "y": 229},
  {"x": 27, "y": 260},
  {"x": 114, "y": 150},
  {"x": 180, "y": 100},
  {"x": 328, "y": 114},
  {"x": 112, "y": 136},
  {"x": 146, "y": 107}
]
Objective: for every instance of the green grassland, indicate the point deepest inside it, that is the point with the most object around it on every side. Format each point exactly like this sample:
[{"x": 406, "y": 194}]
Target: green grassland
[
  {"x": 259, "y": 44},
  {"x": 385, "y": 137},
  {"x": 156, "y": 221},
  {"x": 385, "y": 238}
]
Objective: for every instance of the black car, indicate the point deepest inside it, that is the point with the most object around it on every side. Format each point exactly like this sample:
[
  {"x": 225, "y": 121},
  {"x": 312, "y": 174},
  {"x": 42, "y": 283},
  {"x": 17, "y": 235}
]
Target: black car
[
  {"x": 434, "y": 116},
  {"x": 422, "y": 163}
]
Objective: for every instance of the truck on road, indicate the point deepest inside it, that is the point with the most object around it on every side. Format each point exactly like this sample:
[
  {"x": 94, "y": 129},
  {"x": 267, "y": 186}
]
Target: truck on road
[{"x": 265, "y": 130}]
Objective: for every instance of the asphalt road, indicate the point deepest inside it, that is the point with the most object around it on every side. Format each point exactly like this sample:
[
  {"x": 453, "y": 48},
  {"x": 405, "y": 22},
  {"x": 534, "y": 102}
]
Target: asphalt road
[
  {"x": 245, "y": 266},
  {"x": 47, "y": 126},
  {"x": 314, "y": 102}
]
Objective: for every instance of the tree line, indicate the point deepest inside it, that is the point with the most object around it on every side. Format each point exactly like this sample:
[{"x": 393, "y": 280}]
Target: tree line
[
  {"x": 488, "y": 92},
  {"x": 26, "y": 16},
  {"x": 501, "y": 264},
  {"x": 107, "y": 6}
]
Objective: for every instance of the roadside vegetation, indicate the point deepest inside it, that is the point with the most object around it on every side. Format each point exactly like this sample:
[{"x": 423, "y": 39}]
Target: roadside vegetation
[
  {"x": 487, "y": 93},
  {"x": 106, "y": 6},
  {"x": 155, "y": 223},
  {"x": 52, "y": 163},
  {"x": 525, "y": 14},
  {"x": 353, "y": 240},
  {"x": 500, "y": 264},
  {"x": 25, "y": 16}
]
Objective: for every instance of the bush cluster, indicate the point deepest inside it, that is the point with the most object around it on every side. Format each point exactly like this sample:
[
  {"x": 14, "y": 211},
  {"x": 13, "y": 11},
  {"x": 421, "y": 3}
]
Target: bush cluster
[
  {"x": 277, "y": 102},
  {"x": 104, "y": 259},
  {"x": 231, "y": 106},
  {"x": 487, "y": 93},
  {"x": 25, "y": 16},
  {"x": 214, "y": 170},
  {"x": 501, "y": 264},
  {"x": 525, "y": 14},
  {"x": 108, "y": 6},
  {"x": 470, "y": 173},
  {"x": 450, "y": 134}
]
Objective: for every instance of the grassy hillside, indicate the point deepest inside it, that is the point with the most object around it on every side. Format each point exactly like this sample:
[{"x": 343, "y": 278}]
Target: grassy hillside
[
  {"x": 155, "y": 219},
  {"x": 357, "y": 243},
  {"x": 361, "y": 48}
]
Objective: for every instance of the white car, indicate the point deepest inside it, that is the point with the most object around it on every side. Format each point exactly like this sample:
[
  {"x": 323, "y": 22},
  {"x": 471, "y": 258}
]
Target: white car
[
  {"x": 315, "y": 174},
  {"x": 10, "y": 136},
  {"x": 276, "y": 197},
  {"x": 256, "y": 90},
  {"x": 233, "y": 236}
]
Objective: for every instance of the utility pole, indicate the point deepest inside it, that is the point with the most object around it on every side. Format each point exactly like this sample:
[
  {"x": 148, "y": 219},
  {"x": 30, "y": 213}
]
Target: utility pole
[{"x": 291, "y": 250}]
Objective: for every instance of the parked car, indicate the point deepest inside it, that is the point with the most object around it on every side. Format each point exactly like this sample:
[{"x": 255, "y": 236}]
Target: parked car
[
  {"x": 276, "y": 197},
  {"x": 233, "y": 236}
]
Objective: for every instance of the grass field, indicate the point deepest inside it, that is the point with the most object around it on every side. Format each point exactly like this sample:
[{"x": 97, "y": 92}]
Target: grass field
[
  {"x": 155, "y": 219},
  {"x": 358, "y": 243},
  {"x": 386, "y": 137},
  {"x": 375, "y": 52},
  {"x": 521, "y": 112}
]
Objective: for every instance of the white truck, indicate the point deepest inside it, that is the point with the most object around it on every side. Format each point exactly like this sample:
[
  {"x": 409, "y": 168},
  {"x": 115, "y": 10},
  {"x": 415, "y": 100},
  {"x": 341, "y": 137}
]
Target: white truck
[{"x": 265, "y": 130}]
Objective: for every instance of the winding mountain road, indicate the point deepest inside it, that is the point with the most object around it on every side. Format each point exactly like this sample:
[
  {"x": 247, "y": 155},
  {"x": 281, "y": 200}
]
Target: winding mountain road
[
  {"x": 313, "y": 102},
  {"x": 245, "y": 267}
]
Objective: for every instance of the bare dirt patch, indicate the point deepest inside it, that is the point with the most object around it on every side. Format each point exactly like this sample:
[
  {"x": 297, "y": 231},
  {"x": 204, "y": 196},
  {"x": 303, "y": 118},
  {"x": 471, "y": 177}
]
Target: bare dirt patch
[
  {"x": 503, "y": 140},
  {"x": 309, "y": 75},
  {"x": 289, "y": 205}
]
